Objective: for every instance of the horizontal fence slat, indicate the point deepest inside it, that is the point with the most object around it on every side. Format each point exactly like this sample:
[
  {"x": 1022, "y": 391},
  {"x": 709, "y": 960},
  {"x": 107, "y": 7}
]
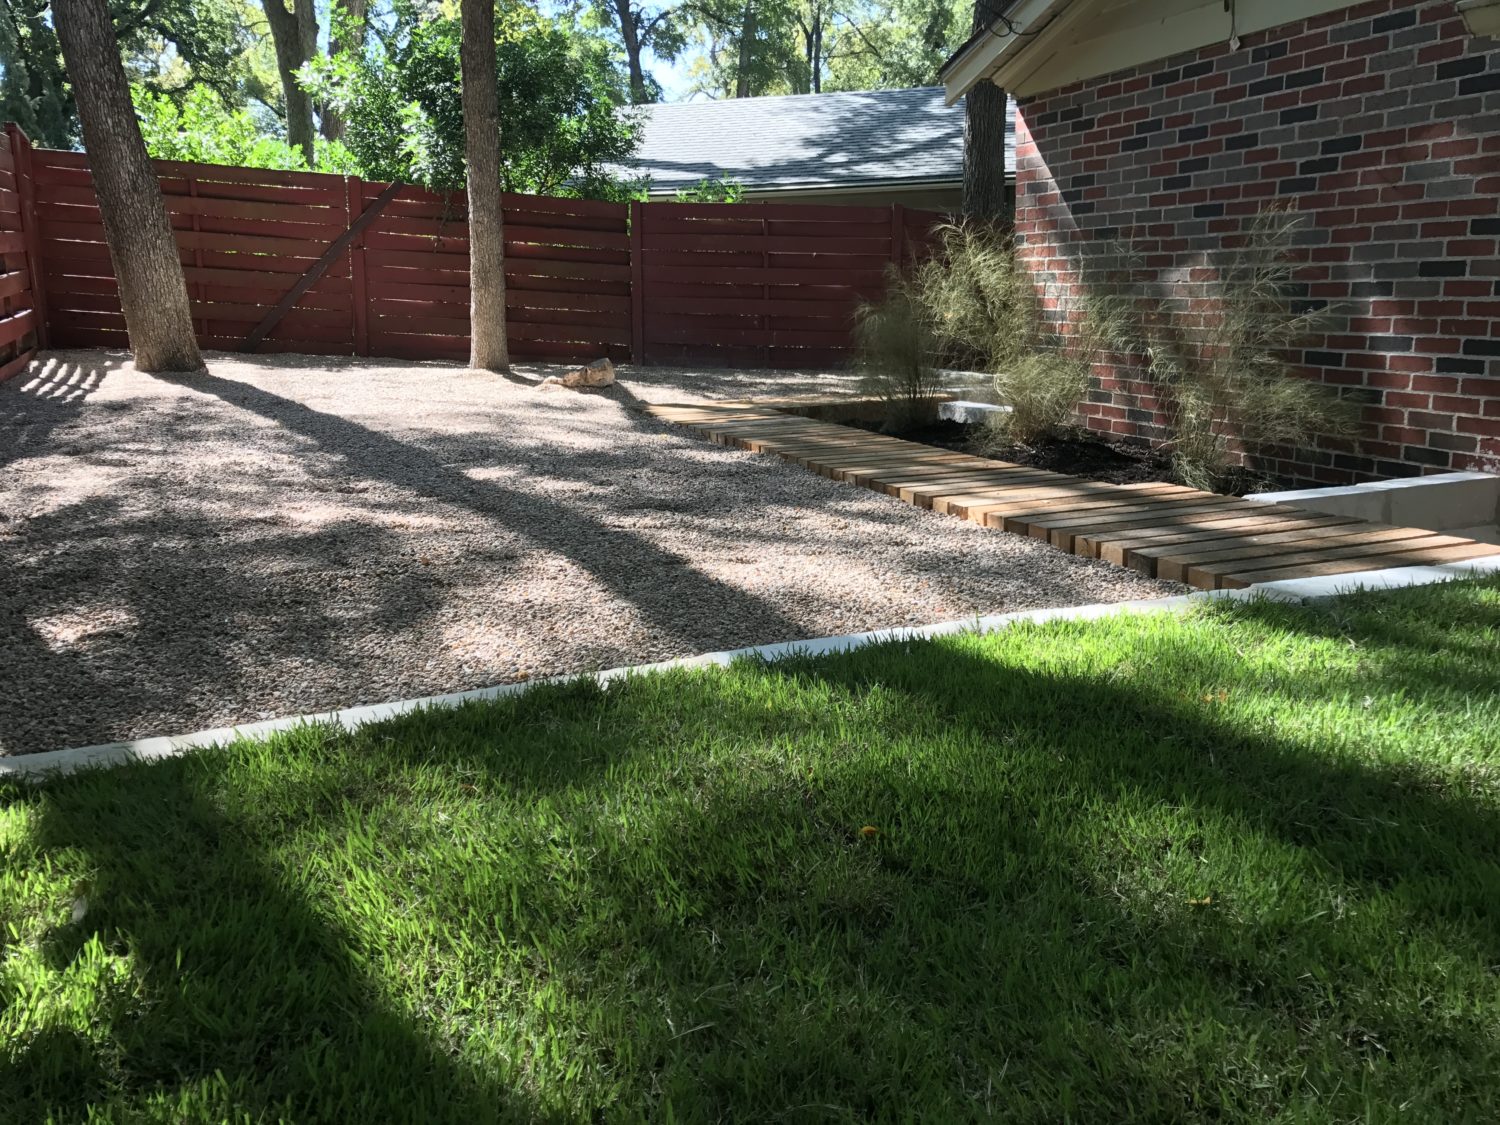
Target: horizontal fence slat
[
  {"x": 13, "y": 327},
  {"x": 15, "y": 283},
  {"x": 747, "y": 276}
]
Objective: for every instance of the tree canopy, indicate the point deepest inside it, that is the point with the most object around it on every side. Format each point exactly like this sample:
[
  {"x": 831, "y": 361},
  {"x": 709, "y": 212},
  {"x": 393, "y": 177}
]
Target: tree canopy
[
  {"x": 375, "y": 83},
  {"x": 400, "y": 100}
]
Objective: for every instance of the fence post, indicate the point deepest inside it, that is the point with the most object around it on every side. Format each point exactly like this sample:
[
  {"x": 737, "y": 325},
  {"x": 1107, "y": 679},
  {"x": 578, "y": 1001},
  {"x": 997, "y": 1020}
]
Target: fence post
[
  {"x": 354, "y": 194},
  {"x": 637, "y": 284},
  {"x": 31, "y": 231},
  {"x": 197, "y": 290},
  {"x": 898, "y": 235}
]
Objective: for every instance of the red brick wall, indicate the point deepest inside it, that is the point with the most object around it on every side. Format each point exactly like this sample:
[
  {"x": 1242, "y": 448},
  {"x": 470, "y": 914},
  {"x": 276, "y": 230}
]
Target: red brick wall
[{"x": 1381, "y": 122}]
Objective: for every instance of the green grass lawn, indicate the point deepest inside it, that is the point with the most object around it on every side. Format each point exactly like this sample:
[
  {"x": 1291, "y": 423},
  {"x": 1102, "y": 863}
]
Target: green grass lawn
[{"x": 1237, "y": 867}]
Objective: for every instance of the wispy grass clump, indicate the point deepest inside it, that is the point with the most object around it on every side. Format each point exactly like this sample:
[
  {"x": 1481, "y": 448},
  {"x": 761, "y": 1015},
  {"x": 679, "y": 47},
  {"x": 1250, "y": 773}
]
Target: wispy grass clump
[
  {"x": 1219, "y": 353},
  {"x": 1233, "y": 868},
  {"x": 973, "y": 305}
]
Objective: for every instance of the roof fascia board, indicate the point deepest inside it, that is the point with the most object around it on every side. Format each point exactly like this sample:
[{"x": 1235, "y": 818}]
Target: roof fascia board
[{"x": 1048, "y": 41}]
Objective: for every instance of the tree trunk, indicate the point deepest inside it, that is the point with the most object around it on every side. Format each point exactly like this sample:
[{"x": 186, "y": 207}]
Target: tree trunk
[
  {"x": 985, "y": 107},
  {"x": 985, "y": 191},
  {"x": 631, "y": 36},
  {"x": 481, "y": 98},
  {"x": 332, "y": 124},
  {"x": 153, "y": 295},
  {"x": 747, "y": 49},
  {"x": 295, "y": 37}
]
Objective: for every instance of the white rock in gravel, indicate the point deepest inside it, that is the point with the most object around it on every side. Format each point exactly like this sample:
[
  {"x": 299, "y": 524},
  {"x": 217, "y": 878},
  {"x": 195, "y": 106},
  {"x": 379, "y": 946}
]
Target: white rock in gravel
[{"x": 600, "y": 373}]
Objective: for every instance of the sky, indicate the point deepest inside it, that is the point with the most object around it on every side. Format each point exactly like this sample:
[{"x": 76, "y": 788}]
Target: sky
[{"x": 673, "y": 77}]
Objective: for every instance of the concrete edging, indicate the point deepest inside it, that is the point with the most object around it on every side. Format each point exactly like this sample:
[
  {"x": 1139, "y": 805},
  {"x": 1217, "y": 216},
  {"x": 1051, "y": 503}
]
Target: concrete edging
[{"x": 56, "y": 763}]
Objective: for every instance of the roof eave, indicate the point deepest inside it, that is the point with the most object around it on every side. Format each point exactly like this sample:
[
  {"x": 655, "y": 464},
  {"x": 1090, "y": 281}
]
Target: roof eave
[{"x": 990, "y": 50}]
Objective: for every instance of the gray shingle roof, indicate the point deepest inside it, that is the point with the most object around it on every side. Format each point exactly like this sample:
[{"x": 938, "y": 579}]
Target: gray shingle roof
[{"x": 842, "y": 140}]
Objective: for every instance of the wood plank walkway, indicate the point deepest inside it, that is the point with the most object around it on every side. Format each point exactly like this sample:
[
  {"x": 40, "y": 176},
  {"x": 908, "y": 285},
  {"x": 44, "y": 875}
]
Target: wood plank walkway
[{"x": 1162, "y": 530}]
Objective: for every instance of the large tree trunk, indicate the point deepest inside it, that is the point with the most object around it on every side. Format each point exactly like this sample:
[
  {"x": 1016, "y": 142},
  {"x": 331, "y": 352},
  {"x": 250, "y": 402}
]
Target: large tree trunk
[
  {"x": 295, "y": 37},
  {"x": 985, "y": 107},
  {"x": 487, "y": 349},
  {"x": 631, "y": 35},
  {"x": 747, "y": 53},
  {"x": 985, "y": 194},
  {"x": 153, "y": 295},
  {"x": 332, "y": 124}
]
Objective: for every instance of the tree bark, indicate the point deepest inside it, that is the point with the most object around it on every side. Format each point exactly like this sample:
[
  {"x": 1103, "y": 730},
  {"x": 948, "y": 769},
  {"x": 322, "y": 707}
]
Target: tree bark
[
  {"x": 332, "y": 124},
  {"x": 487, "y": 348},
  {"x": 630, "y": 34},
  {"x": 294, "y": 34},
  {"x": 747, "y": 51},
  {"x": 985, "y": 189},
  {"x": 153, "y": 295},
  {"x": 985, "y": 107}
]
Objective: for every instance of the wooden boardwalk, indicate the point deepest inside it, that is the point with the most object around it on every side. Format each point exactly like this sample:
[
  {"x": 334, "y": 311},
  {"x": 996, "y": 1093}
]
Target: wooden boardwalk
[{"x": 1162, "y": 530}]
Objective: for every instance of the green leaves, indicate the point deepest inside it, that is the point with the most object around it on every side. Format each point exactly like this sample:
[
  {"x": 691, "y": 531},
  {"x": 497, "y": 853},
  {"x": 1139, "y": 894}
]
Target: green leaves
[{"x": 401, "y": 100}]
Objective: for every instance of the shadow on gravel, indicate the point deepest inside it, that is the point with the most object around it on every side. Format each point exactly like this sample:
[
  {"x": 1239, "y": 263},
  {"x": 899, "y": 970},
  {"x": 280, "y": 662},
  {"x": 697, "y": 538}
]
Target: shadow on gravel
[{"x": 617, "y": 559}]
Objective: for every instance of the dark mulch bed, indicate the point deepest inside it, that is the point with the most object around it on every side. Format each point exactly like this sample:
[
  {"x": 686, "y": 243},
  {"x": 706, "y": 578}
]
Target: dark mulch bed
[{"x": 1078, "y": 454}]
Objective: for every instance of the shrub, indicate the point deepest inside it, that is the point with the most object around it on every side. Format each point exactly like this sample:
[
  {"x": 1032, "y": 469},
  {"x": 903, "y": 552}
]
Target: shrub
[{"x": 722, "y": 190}]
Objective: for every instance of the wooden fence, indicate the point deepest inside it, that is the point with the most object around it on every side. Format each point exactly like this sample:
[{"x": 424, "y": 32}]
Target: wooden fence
[
  {"x": 20, "y": 311},
  {"x": 324, "y": 264},
  {"x": 762, "y": 284}
]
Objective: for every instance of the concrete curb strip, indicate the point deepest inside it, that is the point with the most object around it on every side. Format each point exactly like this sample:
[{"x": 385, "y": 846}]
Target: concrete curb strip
[{"x": 55, "y": 763}]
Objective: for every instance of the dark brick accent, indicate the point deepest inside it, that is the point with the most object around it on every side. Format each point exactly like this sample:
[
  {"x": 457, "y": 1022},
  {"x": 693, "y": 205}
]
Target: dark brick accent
[
  {"x": 1480, "y": 84},
  {"x": 1393, "y": 22},
  {"x": 1459, "y": 68},
  {"x": 1451, "y": 365},
  {"x": 1318, "y": 166}
]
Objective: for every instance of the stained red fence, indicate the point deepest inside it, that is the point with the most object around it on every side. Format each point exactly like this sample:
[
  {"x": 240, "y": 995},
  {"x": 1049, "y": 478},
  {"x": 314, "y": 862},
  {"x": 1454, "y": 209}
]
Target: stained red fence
[
  {"x": 763, "y": 284},
  {"x": 20, "y": 315}
]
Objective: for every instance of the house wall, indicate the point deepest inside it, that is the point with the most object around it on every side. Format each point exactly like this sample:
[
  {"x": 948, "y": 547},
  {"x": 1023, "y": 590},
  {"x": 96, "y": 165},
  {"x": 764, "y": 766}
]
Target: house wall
[{"x": 1381, "y": 124}]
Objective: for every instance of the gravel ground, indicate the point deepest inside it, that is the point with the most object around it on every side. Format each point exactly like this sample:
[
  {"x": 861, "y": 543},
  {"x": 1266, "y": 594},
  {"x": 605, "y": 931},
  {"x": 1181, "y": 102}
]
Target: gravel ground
[{"x": 291, "y": 534}]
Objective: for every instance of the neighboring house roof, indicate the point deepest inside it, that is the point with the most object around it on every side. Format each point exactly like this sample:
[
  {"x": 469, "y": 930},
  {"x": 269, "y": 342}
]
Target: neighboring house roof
[{"x": 876, "y": 138}]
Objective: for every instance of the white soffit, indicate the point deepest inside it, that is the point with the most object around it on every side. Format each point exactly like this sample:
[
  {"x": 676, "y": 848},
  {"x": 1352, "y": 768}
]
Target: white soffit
[{"x": 1059, "y": 44}]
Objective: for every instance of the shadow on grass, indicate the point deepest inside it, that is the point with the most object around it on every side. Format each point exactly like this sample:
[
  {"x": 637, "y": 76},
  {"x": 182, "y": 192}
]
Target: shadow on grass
[
  {"x": 1105, "y": 886},
  {"x": 254, "y": 1004}
]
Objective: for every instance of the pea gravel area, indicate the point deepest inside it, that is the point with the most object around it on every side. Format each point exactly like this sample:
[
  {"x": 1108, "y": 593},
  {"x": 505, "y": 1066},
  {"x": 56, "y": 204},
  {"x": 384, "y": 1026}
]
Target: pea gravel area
[{"x": 289, "y": 534}]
